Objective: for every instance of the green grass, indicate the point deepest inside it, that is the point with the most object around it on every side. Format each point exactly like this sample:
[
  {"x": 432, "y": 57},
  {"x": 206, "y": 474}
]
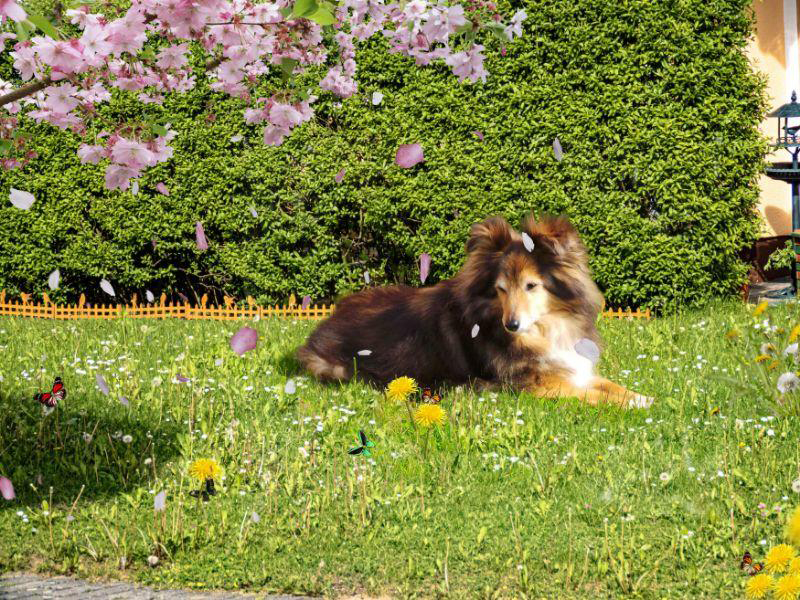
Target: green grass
[{"x": 517, "y": 497}]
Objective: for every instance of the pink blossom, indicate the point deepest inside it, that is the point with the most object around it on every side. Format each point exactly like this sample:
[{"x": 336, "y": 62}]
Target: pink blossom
[
  {"x": 63, "y": 56},
  {"x": 90, "y": 154},
  {"x": 119, "y": 177},
  {"x": 7, "y": 488},
  {"x": 468, "y": 65},
  {"x": 132, "y": 153},
  {"x": 273, "y": 136},
  {"x": 162, "y": 189},
  {"x": 60, "y": 98},
  {"x": 25, "y": 62},
  {"x": 284, "y": 115},
  {"x": 12, "y": 10},
  {"x": 172, "y": 57}
]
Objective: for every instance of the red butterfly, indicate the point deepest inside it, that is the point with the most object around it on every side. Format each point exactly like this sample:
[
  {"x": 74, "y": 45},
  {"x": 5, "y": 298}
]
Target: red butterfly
[
  {"x": 50, "y": 399},
  {"x": 749, "y": 566}
]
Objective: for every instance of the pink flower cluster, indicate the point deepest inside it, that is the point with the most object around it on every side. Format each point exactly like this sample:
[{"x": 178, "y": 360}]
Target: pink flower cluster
[{"x": 246, "y": 41}]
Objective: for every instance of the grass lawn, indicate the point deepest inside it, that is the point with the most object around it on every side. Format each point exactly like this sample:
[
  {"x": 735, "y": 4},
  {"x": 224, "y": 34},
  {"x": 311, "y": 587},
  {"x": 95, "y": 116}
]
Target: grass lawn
[{"x": 514, "y": 497}]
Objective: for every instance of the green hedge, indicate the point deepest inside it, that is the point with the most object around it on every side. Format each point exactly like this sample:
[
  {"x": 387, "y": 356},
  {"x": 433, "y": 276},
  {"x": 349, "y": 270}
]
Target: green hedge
[{"x": 654, "y": 102}]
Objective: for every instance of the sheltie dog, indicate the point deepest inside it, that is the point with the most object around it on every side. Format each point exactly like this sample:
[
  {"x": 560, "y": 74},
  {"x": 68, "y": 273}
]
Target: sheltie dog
[{"x": 512, "y": 317}]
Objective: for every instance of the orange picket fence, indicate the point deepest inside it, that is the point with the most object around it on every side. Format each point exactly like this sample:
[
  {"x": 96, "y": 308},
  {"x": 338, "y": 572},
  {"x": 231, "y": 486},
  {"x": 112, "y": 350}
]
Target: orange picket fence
[{"x": 164, "y": 310}]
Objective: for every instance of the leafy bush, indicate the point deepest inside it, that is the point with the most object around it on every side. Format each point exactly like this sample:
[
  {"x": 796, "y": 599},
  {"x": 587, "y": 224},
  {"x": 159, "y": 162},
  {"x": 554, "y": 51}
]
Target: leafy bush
[{"x": 654, "y": 102}]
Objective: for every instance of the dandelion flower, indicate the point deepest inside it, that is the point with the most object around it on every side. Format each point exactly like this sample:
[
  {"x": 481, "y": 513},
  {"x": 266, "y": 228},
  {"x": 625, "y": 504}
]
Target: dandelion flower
[
  {"x": 762, "y": 357},
  {"x": 794, "y": 566},
  {"x": 758, "y": 586},
  {"x": 732, "y": 334},
  {"x": 429, "y": 414},
  {"x": 795, "y": 332},
  {"x": 778, "y": 558},
  {"x": 793, "y": 527},
  {"x": 401, "y": 388},
  {"x": 788, "y": 382},
  {"x": 664, "y": 477},
  {"x": 787, "y": 588},
  {"x": 767, "y": 348},
  {"x": 204, "y": 468},
  {"x": 760, "y": 309}
]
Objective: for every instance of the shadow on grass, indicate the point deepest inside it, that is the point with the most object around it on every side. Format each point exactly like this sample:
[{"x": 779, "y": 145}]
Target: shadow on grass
[{"x": 74, "y": 448}]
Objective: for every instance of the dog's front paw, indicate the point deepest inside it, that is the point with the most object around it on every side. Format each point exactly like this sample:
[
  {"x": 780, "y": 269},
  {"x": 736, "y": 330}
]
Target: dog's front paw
[{"x": 639, "y": 401}]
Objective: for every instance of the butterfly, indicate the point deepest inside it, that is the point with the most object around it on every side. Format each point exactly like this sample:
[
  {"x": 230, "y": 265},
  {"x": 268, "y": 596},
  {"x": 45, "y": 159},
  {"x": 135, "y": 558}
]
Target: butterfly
[
  {"x": 748, "y": 566},
  {"x": 51, "y": 398},
  {"x": 430, "y": 397},
  {"x": 205, "y": 493},
  {"x": 364, "y": 447}
]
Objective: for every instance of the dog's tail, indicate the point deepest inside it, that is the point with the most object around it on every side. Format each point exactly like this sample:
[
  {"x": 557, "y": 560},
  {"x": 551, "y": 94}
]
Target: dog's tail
[{"x": 322, "y": 368}]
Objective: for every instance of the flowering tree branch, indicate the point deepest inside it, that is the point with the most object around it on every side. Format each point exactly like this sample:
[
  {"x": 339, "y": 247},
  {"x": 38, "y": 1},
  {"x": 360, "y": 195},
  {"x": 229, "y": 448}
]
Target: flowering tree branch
[{"x": 146, "y": 51}]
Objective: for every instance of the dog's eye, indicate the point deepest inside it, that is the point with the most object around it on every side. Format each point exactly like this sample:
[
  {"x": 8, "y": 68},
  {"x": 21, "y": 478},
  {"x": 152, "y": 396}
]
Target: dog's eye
[{"x": 530, "y": 286}]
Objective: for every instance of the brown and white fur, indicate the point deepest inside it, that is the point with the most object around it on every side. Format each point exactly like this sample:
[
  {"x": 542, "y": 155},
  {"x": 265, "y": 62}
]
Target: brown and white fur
[{"x": 531, "y": 307}]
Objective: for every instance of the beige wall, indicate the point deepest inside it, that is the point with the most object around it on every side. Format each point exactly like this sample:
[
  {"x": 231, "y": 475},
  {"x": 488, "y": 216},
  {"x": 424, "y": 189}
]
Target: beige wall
[{"x": 768, "y": 53}]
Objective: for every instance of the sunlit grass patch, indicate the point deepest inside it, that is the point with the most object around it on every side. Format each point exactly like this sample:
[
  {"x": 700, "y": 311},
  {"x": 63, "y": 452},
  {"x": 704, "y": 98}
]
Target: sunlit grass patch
[{"x": 504, "y": 495}]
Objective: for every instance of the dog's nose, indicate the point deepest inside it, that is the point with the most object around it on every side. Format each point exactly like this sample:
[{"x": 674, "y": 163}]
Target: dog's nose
[{"x": 512, "y": 325}]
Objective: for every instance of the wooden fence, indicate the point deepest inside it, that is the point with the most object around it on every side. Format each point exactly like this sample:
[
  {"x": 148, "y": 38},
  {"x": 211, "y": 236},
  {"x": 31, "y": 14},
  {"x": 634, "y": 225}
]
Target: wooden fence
[{"x": 164, "y": 310}]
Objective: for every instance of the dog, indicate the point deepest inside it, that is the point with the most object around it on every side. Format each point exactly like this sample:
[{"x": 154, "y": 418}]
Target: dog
[{"x": 511, "y": 317}]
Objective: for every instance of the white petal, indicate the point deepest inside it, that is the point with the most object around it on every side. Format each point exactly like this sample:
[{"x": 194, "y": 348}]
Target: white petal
[
  {"x": 290, "y": 387},
  {"x": 20, "y": 199},
  {"x": 377, "y": 98},
  {"x": 149, "y": 295},
  {"x": 107, "y": 287},
  {"x": 364, "y": 352},
  {"x": 475, "y": 329},
  {"x": 53, "y": 280},
  {"x": 527, "y": 242}
]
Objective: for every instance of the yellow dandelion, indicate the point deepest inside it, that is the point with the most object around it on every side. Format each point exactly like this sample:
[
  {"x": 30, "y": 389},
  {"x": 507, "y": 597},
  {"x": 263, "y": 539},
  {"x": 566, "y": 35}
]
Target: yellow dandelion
[
  {"x": 795, "y": 332},
  {"x": 778, "y": 558},
  {"x": 793, "y": 527},
  {"x": 732, "y": 334},
  {"x": 762, "y": 357},
  {"x": 758, "y": 586},
  {"x": 787, "y": 588},
  {"x": 794, "y": 566},
  {"x": 772, "y": 365},
  {"x": 760, "y": 309},
  {"x": 401, "y": 388},
  {"x": 204, "y": 468},
  {"x": 429, "y": 414}
]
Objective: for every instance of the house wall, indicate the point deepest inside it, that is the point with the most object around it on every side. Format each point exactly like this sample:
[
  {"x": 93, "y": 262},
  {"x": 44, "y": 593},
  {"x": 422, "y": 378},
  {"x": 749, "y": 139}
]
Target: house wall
[{"x": 776, "y": 30}]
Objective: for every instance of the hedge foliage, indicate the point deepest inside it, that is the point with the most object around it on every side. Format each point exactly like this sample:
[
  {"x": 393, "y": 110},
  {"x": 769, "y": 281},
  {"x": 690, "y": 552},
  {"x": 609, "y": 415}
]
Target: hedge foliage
[{"x": 654, "y": 102}]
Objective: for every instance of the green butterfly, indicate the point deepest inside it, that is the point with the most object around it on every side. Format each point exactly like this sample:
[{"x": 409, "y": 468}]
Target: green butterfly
[{"x": 364, "y": 447}]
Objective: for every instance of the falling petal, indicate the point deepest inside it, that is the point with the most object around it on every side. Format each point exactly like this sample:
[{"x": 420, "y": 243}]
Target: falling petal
[
  {"x": 339, "y": 176},
  {"x": 478, "y": 135},
  {"x": 253, "y": 212},
  {"x": 183, "y": 298},
  {"x": 53, "y": 280},
  {"x": 366, "y": 277},
  {"x": 527, "y": 242},
  {"x": 135, "y": 187},
  {"x": 364, "y": 352},
  {"x": 237, "y": 138},
  {"x": 244, "y": 340},
  {"x": 255, "y": 518},
  {"x": 124, "y": 401},
  {"x": 153, "y": 241},
  {"x": 162, "y": 189},
  {"x": 588, "y": 349},
  {"x": 290, "y": 387},
  {"x": 200, "y": 236},
  {"x": 149, "y": 295},
  {"x": 7, "y": 488},
  {"x": 306, "y": 302},
  {"x": 377, "y": 98},
  {"x": 101, "y": 383},
  {"x": 160, "y": 501},
  {"x": 182, "y": 379},
  {"x": 409, "y": 155},
  {"x": 475, "y": 329},
  {"x": 424, "y": 266},
  {"x": 557, "y": 150},
  {"x": 107, "y": 287},
  {"x": 21, "y": 200}
]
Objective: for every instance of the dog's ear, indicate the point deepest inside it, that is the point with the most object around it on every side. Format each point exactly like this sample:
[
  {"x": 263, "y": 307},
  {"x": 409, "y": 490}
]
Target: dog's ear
[
  {"x": 558, "y": 232},
  {"x": 491, "y": 235}
]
